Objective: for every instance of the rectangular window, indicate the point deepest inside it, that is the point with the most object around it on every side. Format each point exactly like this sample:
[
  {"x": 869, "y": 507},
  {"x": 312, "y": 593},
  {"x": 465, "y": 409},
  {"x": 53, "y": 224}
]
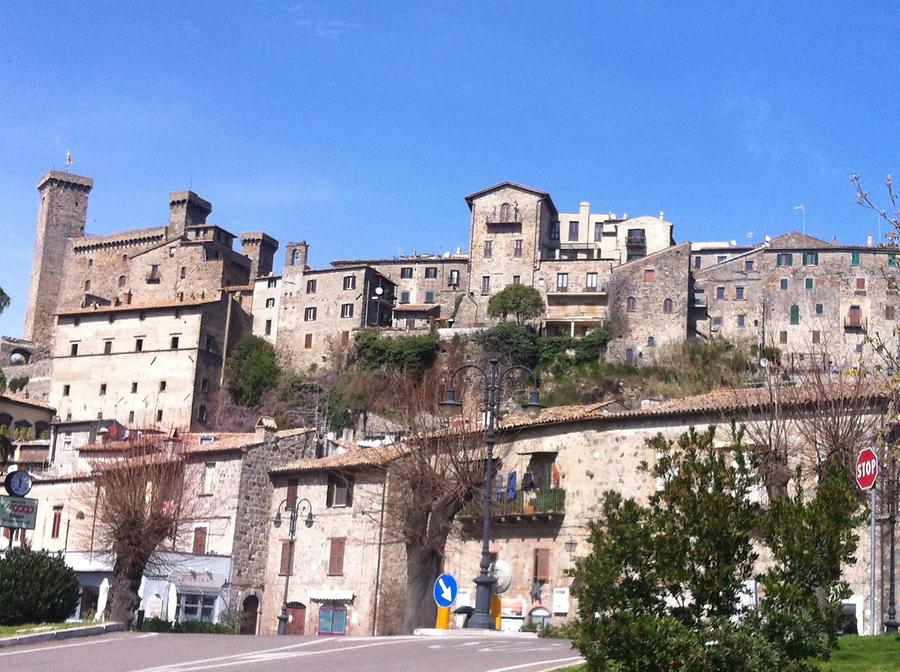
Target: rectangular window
[
  {"x": 820, "y": 309},
  {"x": 310, "y": 286},
  {"x": 57, "y": 522},
  {"x": 159, "y": 415},
  {"x": 782, "y": 337},
  {"x": 889, "y": 312},
  {"x": 748, "y": 265},
  {"x": 268, "y": 328},
  {"x": 697, "y": 262},
  {"x": 162, "y": 386},
  {"x": 741, "y": 320},
  {"x": 795, "y": 314},
  {"x": 720, "y": 293},
  {"x": 73, "y": 350},
  {"x": 204, "y": 384},
  {"x": 138, "y": 344},
  {"x": 854, "y": 259},
  {"x": 808, "y": 283},
  {"x": 286, "y": 560},
  {"x": 598, "y": 232},
  {"x": 517, "y": 280},
  {"x": 404, "y": 297},
  {"x": 134, "y": 387},
  {"x": 720, "y": 258},
  {"x": 272, "y": 282},
  {"x": 816, "y": 337},
  {"x": 488, "y": 249},
  {"x": 429, "y": 297},
  {"x": 309, "y": 315},
  {"x": 431, "y": 272},
  {"x": 649, "y": 275},
  {"x": 573, "y": 231},
  {"x": 102, "y": 389},
  {"x": 485, "y": 285},
  {"x": 542, "y": 564},
  {"x": 860, "y": 283},
  {"x": 810, "y": 258},
  {"x": 209, "y": 478},
  {"x": 332, "y": 620},
  {"x": 307, "y": 341},
  {"x": 66, "y": 390},
  {"x": 349, "y": 282},
  {"x": 739, "y": 294},
  {"x": 517, "y": 248},
  {"x": 107, "y": 347},
  {"x": 562, "y": 282},
  {"x": 173, "y": 344},
  {"x": 554, "y": 231},
  {"x": 346, "y": 310},
  {"x": 199, "y": 547},
  {"x": 270, "y": 303},
  {"x": 183, "y": 272},
  {"x": 784, "y": 260},
  {"x": 340, "y": 491},
  {"x": 717, "y": 321},
  {"x": 784, "y": 283},
  {"x": 590, "y": 282},
  {"x": 336, "y": 556},
  {"x": 130, "y": 417},
  {"x": 454, "y": 278},
  {"x": 406, "y": 272}
]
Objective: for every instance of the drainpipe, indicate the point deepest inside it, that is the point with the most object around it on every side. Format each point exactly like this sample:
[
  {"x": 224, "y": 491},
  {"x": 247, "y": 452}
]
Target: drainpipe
[{"x": 378, "y": 561}]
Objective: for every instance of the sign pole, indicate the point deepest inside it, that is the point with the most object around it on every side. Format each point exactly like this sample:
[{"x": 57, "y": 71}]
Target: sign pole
[{"x": 872, "y": 560}]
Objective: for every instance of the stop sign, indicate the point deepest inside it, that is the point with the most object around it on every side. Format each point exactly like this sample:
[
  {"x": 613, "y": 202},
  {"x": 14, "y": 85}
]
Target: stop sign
[{"x": 866, "y": 468}]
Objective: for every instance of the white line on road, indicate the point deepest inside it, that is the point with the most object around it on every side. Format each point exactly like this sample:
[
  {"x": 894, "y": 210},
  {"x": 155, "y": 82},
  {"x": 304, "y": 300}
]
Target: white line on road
[
  {"x": 19, "y": 652},
  {"x": 573, "y": 659},
  {"x": 175, "y": 666}
]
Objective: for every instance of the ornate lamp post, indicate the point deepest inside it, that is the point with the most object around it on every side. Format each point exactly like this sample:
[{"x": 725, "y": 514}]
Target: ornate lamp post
[
  {"x": 890, "y": 625},
  {"x": 491, "y": 377},
  {"x": 295, "y": 508}
]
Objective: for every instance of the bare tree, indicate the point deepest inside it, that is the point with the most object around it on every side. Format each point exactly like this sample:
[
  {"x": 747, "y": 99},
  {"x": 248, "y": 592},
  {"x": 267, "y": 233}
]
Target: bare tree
[{"x": 140, "y": 501}]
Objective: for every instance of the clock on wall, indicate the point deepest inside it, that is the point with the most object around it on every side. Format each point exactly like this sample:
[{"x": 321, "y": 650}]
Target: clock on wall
[{"x": 18, "y": 483}]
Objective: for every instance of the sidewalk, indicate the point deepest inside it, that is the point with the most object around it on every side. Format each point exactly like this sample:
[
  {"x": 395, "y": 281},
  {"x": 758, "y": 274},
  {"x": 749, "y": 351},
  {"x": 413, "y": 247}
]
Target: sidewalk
[{"x": 87, "y": 631}]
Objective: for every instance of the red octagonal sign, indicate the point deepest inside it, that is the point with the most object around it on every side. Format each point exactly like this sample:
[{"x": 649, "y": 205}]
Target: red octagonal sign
[{"x": 866, "y": 469}]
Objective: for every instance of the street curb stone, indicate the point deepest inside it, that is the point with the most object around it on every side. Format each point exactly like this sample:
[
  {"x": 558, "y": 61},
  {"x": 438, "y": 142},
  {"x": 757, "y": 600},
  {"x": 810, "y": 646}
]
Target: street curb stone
[
  {"x": 88, "y": 631},
  {"x": 465, "y": 632}
]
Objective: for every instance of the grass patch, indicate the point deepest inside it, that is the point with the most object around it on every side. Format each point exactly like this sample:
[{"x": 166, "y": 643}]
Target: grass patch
[
  {"x": 35, "y": 628},
  {"x": 865, "y": 654}
]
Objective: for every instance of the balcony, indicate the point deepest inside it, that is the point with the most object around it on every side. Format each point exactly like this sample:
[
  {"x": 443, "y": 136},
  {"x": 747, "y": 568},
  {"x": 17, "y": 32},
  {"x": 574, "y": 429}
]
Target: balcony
[
  {"x": 856, "y": 323},
  {"x": 543, "y": 505}
]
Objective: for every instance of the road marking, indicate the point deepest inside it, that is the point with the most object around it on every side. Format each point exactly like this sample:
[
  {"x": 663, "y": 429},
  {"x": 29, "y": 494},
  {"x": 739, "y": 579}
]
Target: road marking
[
  {"x": 572, "y": 659},
  {"x": 266, "y": 656},
  {"x": 174, "y": 666},
  {"x": 19, "y": 652}
]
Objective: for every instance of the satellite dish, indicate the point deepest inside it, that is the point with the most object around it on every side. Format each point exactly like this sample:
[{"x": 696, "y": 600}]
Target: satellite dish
[
  {"x": 768, "y": 239},
  {"x": 379, "y": 291},
  {"x": 502, "y": 571},
  {"x": 763, "y": 362}
]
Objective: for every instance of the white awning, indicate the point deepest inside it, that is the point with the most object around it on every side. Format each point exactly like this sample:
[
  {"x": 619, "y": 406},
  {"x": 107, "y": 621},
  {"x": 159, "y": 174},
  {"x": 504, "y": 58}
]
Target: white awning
[
  {"x": 331, "y": 595},
  {"x": 203, "y": 582}
]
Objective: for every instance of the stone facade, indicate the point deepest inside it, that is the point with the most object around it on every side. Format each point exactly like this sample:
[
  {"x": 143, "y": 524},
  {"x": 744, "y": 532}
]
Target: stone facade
[{"x": 27, "y": 424}]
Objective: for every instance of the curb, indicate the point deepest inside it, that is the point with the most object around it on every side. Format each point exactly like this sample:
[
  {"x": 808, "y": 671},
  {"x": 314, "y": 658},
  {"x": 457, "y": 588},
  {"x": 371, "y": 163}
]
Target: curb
[
  {"x": 88, "y": 631},
  {"x": 465, "y": 632}
]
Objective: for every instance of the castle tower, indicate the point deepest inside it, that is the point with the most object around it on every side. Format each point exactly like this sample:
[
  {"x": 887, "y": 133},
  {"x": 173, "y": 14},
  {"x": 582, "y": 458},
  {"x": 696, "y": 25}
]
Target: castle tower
[
  {"x": 296, "y": 256},
  {"x": 260, "y": 248},
  {"x": 61, "y": 215},
  {"x": 186, "y": 209}
]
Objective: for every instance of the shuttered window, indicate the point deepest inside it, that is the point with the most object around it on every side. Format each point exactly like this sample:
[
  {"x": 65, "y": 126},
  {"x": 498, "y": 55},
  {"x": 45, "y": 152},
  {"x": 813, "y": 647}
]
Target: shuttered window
[
  {"x": 199, "y": 541},
  {"x": 286, "y": 548},
  {"x": 336, "y": 556},
  {"x": 542, "y": 564}
]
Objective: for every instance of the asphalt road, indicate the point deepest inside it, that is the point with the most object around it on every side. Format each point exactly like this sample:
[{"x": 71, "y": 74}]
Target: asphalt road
[{"x": 127, "y": 652}]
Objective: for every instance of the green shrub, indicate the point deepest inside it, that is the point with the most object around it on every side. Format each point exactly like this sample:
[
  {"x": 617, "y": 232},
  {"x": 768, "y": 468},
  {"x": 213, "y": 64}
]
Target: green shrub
[
  {"x": 36, "y": 587},
  {"x": 251, "y": 369},
  {"x": 408, "y": 354},
  {"x": 518, "y": 345},
  {"x": 565, "y": 630},
  {"x": 17, "y": 383},
  {"x": 156, "y": 624}
]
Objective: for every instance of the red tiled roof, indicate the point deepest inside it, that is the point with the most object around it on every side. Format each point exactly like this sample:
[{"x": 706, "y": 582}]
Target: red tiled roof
[
  {"x": 354, "y": 458},
  {"x": 26, "y": 401}
]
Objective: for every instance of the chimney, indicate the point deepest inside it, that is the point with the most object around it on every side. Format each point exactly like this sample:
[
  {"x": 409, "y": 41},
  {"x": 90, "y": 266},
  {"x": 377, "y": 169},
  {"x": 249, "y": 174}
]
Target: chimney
[
  {"x": 265, "y": 429},
  {"x": 186, "y": 209},
  {"x": 869, "y": 242}
]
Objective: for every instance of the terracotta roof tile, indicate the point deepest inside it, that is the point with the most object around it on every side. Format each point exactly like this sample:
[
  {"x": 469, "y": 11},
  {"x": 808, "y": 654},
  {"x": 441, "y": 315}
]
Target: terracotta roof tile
[
  {"x": 354, "y": 458},
  {"x": 27, "y": 401},
  {"x": 137, "y": 306}
]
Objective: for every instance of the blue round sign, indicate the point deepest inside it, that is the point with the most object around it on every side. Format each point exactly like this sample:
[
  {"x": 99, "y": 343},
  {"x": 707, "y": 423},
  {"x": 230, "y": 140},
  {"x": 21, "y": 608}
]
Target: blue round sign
[{"x": 445, "y": 590}]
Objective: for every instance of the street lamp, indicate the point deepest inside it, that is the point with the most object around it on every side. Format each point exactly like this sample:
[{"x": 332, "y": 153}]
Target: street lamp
[
  {"x": 890, "y": 625},
  {"x": 296, "y": 508},
  {"x": 492, "y": 378}
]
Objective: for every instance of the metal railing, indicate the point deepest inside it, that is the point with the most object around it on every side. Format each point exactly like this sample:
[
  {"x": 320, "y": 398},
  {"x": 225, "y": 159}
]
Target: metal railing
[{"x": 525, "y": 502}]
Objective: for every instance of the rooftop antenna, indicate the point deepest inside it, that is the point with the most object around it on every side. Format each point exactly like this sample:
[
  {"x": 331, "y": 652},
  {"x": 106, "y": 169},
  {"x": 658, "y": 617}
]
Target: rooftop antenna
[
  {"x": 68, "y": 160},
  {"x": 802, "y": 209}
]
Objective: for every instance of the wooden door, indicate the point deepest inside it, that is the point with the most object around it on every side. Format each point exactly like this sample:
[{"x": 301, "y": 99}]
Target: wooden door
[{"x": 296, "y": 623}]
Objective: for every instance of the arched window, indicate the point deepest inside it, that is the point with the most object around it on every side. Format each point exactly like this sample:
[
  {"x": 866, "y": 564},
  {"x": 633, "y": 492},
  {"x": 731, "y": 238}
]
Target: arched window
[
  {"x": 504, "y": 212},
  {"x": 631, "y": 304},
  {"x": 87, "y": 285},
  {"x": 295, "y": 257},
  {"x": 667, "y": 306},
  {"x": 121, "y": 281}
]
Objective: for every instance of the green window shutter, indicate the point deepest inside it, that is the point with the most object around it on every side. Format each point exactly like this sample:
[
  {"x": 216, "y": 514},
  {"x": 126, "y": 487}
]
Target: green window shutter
[
  {"x": 854, "y": 258},
  {"x": 795, "y": 314}
]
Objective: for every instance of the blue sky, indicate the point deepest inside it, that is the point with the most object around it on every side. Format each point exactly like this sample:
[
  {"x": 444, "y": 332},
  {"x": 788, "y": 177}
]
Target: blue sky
[{"x": 361, "y": 126}]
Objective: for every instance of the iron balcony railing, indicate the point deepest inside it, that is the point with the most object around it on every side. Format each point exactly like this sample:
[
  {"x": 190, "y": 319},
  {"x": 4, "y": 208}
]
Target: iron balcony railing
[{"x": 524, "y": 503}]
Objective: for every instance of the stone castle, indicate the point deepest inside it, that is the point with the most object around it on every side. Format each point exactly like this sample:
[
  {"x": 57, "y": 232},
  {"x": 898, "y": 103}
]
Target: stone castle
[{"x": 135, "y": 326}]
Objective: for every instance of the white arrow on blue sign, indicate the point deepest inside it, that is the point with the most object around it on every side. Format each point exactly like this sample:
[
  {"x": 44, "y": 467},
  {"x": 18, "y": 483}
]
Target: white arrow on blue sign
[{"x": 445, "y": 590}]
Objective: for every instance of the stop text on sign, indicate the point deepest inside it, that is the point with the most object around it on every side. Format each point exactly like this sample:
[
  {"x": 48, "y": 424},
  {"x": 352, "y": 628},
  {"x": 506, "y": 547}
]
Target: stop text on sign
[{"x": 866, "y": 469}]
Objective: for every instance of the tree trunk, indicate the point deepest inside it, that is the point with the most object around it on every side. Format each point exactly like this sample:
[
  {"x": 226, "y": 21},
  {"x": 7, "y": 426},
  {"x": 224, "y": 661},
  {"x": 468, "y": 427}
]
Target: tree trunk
[
  {"x": 123, "y": 594},
  {"x": 422, "y": 569}
]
